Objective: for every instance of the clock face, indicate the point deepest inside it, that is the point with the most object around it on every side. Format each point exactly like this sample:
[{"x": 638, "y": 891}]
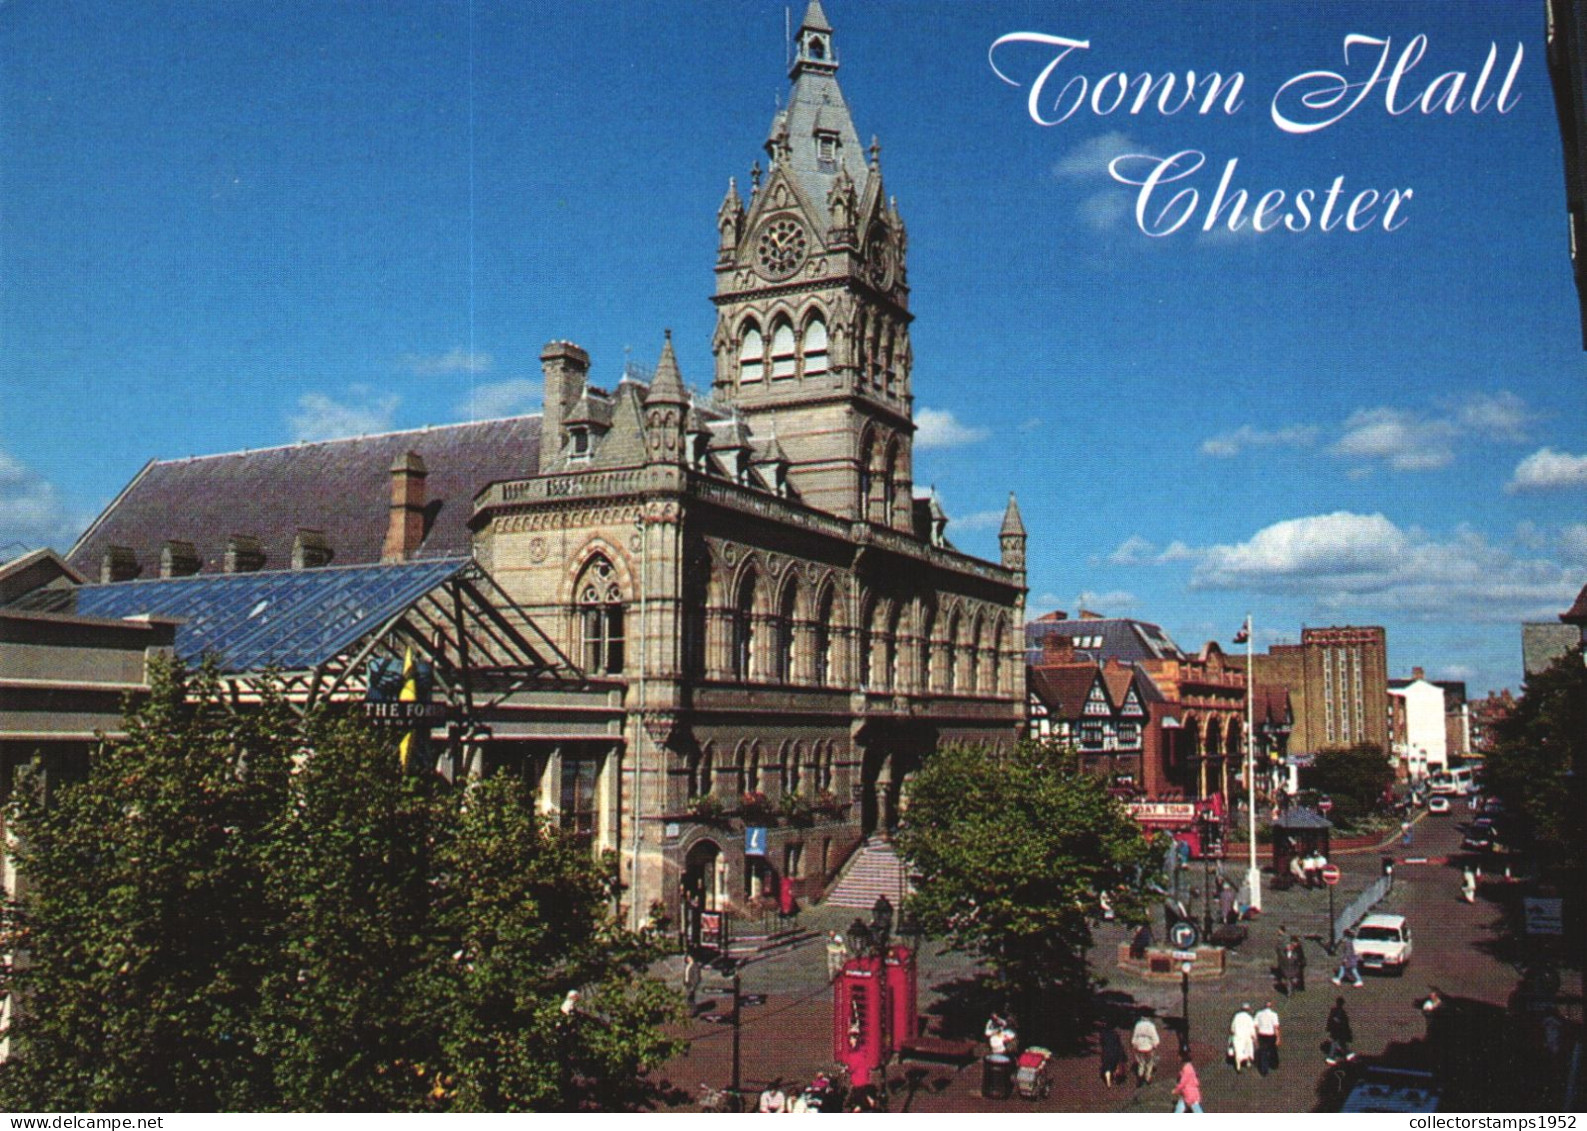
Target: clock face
[{"x": 781, "y": 248}]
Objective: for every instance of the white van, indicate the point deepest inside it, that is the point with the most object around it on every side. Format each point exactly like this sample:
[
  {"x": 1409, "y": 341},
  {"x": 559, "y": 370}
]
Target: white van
[{"x": 1451, "y": 783}]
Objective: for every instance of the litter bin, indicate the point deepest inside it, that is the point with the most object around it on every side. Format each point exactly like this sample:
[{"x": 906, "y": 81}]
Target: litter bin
[{"x": 997, "y": 1077}]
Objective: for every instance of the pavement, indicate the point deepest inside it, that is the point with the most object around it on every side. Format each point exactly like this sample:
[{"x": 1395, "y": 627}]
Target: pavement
[{"x": 1490, "y": 1064}]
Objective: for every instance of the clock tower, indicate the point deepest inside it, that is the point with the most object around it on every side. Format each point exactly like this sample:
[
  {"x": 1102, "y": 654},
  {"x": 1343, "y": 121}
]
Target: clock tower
[{"x": 812, "y": 335}]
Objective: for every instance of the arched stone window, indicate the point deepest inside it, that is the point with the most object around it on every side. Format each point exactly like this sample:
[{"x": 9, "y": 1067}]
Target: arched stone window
[
  {"x": 890, "y": 648},
  {"x": 600, "y": 617},
  {"x": 784, "y": 361},
  {"x": 702, "y": 773},
  {"x": 950, "y": 654},
  {"x": 926, "y": 625},
  {"x": 889, "y": 482},
  {"x": 792, "y": 771},
  {"x": 816, "y": 346},
  {"x": 995, "y": 660},
  {"x": 867, "y": 457},
  {"x": 743, "y": 629},
  {"x": 783, "y": 634},
  {"x": 977, "y": 643},
  {"x": 823, "y": 638},
  {"x": 751, "y": 355},
  {"x": 823, "y": 779},
  {"x": 867, "y": 636}
]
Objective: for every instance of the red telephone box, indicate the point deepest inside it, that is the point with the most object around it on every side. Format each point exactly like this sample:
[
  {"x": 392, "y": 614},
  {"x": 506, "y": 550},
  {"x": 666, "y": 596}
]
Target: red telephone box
[
  {"x": 859, "y": 1018},
  {"x": 903, "y": 1022}
]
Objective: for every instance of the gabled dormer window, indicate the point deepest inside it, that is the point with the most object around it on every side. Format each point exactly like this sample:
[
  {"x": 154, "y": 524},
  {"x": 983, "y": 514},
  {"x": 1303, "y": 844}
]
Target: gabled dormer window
[
  {"x": 579, "y": 443},
  {"x": 827, "y": 152}
]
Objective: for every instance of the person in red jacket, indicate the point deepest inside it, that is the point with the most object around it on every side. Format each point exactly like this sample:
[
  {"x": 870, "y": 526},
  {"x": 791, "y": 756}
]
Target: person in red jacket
[{"x": 1189, "y": 1087}]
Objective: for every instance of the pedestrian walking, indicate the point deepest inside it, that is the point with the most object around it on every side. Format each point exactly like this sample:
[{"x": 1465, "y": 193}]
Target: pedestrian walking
[
  {"x": 837, "y": 954},
  {"x": 1242, "y": 1038},
  {"x": 1144, "y": 1041},
  {"x": 1188, "y": 1089},
  {"x": 1113, "y": 1059},
  {"x": 1226, "y": 902},
  {"x": 1298, "y": 962},
  {"x": 1268, "y": 1039},
  {"x": 1349, "y": 963},
  {"x": 1340, "y": 1036},
  {"x": 1405, "y": 833},
  {"x": 1468, "y": 885},
  {"x": 691, "y": 978},
  {"x": 1286, "y": 962}
]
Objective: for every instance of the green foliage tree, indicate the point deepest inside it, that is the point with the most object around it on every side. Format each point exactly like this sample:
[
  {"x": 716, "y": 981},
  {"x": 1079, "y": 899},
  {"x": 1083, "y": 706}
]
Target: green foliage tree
[
  {"x": 1537, "y": 765},
  {"x": 253, "y": 911},
  {"x": 1354, "y": 776},
  {"x": 1013, "y": 851}
]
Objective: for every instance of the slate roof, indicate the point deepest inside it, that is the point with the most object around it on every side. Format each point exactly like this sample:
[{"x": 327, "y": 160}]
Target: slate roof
[
  {"x": 1130, "y": 641},
  {"x": 341, "y": 487},
  {"x": 1064, "y": 688},
  {"x": 1577, "y": 613}
]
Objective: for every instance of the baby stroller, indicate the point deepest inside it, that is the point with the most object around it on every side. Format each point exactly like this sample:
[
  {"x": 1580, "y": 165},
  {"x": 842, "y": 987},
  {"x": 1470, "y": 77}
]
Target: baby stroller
[{"x": 1030, "y": 1075}]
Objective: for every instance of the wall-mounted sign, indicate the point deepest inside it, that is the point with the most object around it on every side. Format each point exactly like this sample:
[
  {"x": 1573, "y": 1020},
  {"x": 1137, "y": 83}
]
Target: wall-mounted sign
[{"x": 754, "y": 841}]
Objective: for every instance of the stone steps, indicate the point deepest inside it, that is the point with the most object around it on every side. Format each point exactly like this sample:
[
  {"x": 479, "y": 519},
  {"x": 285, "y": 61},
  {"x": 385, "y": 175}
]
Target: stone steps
[{"x": 874, "y": 870}]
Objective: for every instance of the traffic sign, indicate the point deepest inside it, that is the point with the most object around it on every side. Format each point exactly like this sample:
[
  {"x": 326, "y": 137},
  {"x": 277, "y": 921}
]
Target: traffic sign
[
  {"x": 1184, "y": 935},
  {"x": 1325, "y": 805},
  {"x": 1330, "y": 874}
]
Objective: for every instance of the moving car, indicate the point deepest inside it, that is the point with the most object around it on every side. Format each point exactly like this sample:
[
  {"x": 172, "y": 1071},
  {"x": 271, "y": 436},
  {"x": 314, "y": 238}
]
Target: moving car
[
  {"x": 1383, "y": 942},
  {"x": 1438, "y": 805}
]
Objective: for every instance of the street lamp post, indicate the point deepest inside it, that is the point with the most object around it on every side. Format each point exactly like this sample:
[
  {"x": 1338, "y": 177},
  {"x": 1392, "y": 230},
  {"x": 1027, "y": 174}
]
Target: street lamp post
[
  {"x": 1253, "y": 876},
  {"x": 1184, "y": 1005}
]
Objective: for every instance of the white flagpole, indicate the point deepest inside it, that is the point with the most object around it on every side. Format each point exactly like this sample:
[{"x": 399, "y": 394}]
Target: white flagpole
[{"x": 1254, "y": 875}]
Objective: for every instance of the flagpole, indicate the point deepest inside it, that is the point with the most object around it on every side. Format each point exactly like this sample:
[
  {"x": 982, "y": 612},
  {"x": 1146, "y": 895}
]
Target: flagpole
[{"x": 1253, "y": 877}]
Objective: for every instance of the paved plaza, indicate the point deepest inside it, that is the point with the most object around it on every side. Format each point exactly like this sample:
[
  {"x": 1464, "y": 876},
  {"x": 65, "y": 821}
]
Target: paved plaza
[{"x": 1492, "y": 1064}]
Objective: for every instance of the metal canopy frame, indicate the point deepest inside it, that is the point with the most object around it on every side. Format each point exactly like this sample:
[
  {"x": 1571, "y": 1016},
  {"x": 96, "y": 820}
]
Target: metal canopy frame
[{"x": 311, "y": 634}]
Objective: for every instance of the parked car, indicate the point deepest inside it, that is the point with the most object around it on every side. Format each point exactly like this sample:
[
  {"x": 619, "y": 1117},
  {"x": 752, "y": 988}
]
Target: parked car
[
  {"x": 1383, "y": 942},
  {"x": 1438, "y": 805}
]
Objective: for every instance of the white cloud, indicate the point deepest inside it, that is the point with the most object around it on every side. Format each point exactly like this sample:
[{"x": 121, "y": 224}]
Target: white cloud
[
  {"x": 1502, "y": 416},
  {"x": 1548, "y": 470},
  {"x": 320, "y": 417},
  {"x": 1089, "y": 160},
  {"x": 1573, "y": 541},
  {"x": 1112, "y": 602},
  {"x": 455, "y": 360},
  {"x": 32, "y": 514},
  {"x": 939, "y": 428},
  {"x": 1365, "y": 564},
  {"x": 502, "y": 398},
  {"x": 1400, "y": 438},
  {"x": 976, "y": 520},
  {"x": 1233, "y": 443},
  {"x": 1134, "y": 550},
  {"x": 1104, "y": 211}
]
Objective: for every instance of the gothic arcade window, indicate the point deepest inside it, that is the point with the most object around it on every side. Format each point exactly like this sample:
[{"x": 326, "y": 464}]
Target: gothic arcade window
[
  {"x": 815, "y": 347},
  {"x": 823, "y": 638},
  {"x": 580, "y": 784},
  {"x": 702, "y": 772},
  {"x": 950, "y": 658},
  {"x": 743, "y": 629},
  {"x": 889, "y": 476},
  {"x": 600, "y": 610},
  {"x": 783, "y": 635},
  {"x": 751, "y": 355},
  {"x": 792, "y": 770},
  {"x": 783, "y": 355},
  {"x": 867, "y": 455}
]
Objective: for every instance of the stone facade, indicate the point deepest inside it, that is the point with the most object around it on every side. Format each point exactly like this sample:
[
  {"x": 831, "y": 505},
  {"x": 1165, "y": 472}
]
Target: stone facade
[{"x": 793, "y": 628}]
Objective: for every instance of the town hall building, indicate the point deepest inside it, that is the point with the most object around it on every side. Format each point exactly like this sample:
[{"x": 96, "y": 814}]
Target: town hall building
[{"x": 677, "y": 616}]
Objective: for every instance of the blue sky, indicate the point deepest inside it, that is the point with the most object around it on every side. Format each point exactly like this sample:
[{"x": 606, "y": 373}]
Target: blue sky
[{"x": 230, "y": 226}]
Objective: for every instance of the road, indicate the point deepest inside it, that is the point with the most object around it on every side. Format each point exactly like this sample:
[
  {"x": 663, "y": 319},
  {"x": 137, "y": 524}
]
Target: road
[{"x": 1458, "y": 948}]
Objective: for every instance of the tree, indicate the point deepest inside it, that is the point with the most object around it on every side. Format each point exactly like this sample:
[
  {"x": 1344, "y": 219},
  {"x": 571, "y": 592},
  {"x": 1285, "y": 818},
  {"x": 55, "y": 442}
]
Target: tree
[
  {"x": 1354, "y": 776},
  {"x": 1537, "y": 764},
  {"x": 146, "y": 922},
  {"x": 1013, "y": 851},
  {"x": 256, "y": 911}
]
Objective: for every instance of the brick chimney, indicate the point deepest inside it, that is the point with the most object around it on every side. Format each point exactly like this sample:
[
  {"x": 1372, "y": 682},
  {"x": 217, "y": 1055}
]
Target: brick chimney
[
  {"x": 566, "y": 368},
  {"x": 405, "y": 524},
  {"x": 1418, "y": 673}
]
